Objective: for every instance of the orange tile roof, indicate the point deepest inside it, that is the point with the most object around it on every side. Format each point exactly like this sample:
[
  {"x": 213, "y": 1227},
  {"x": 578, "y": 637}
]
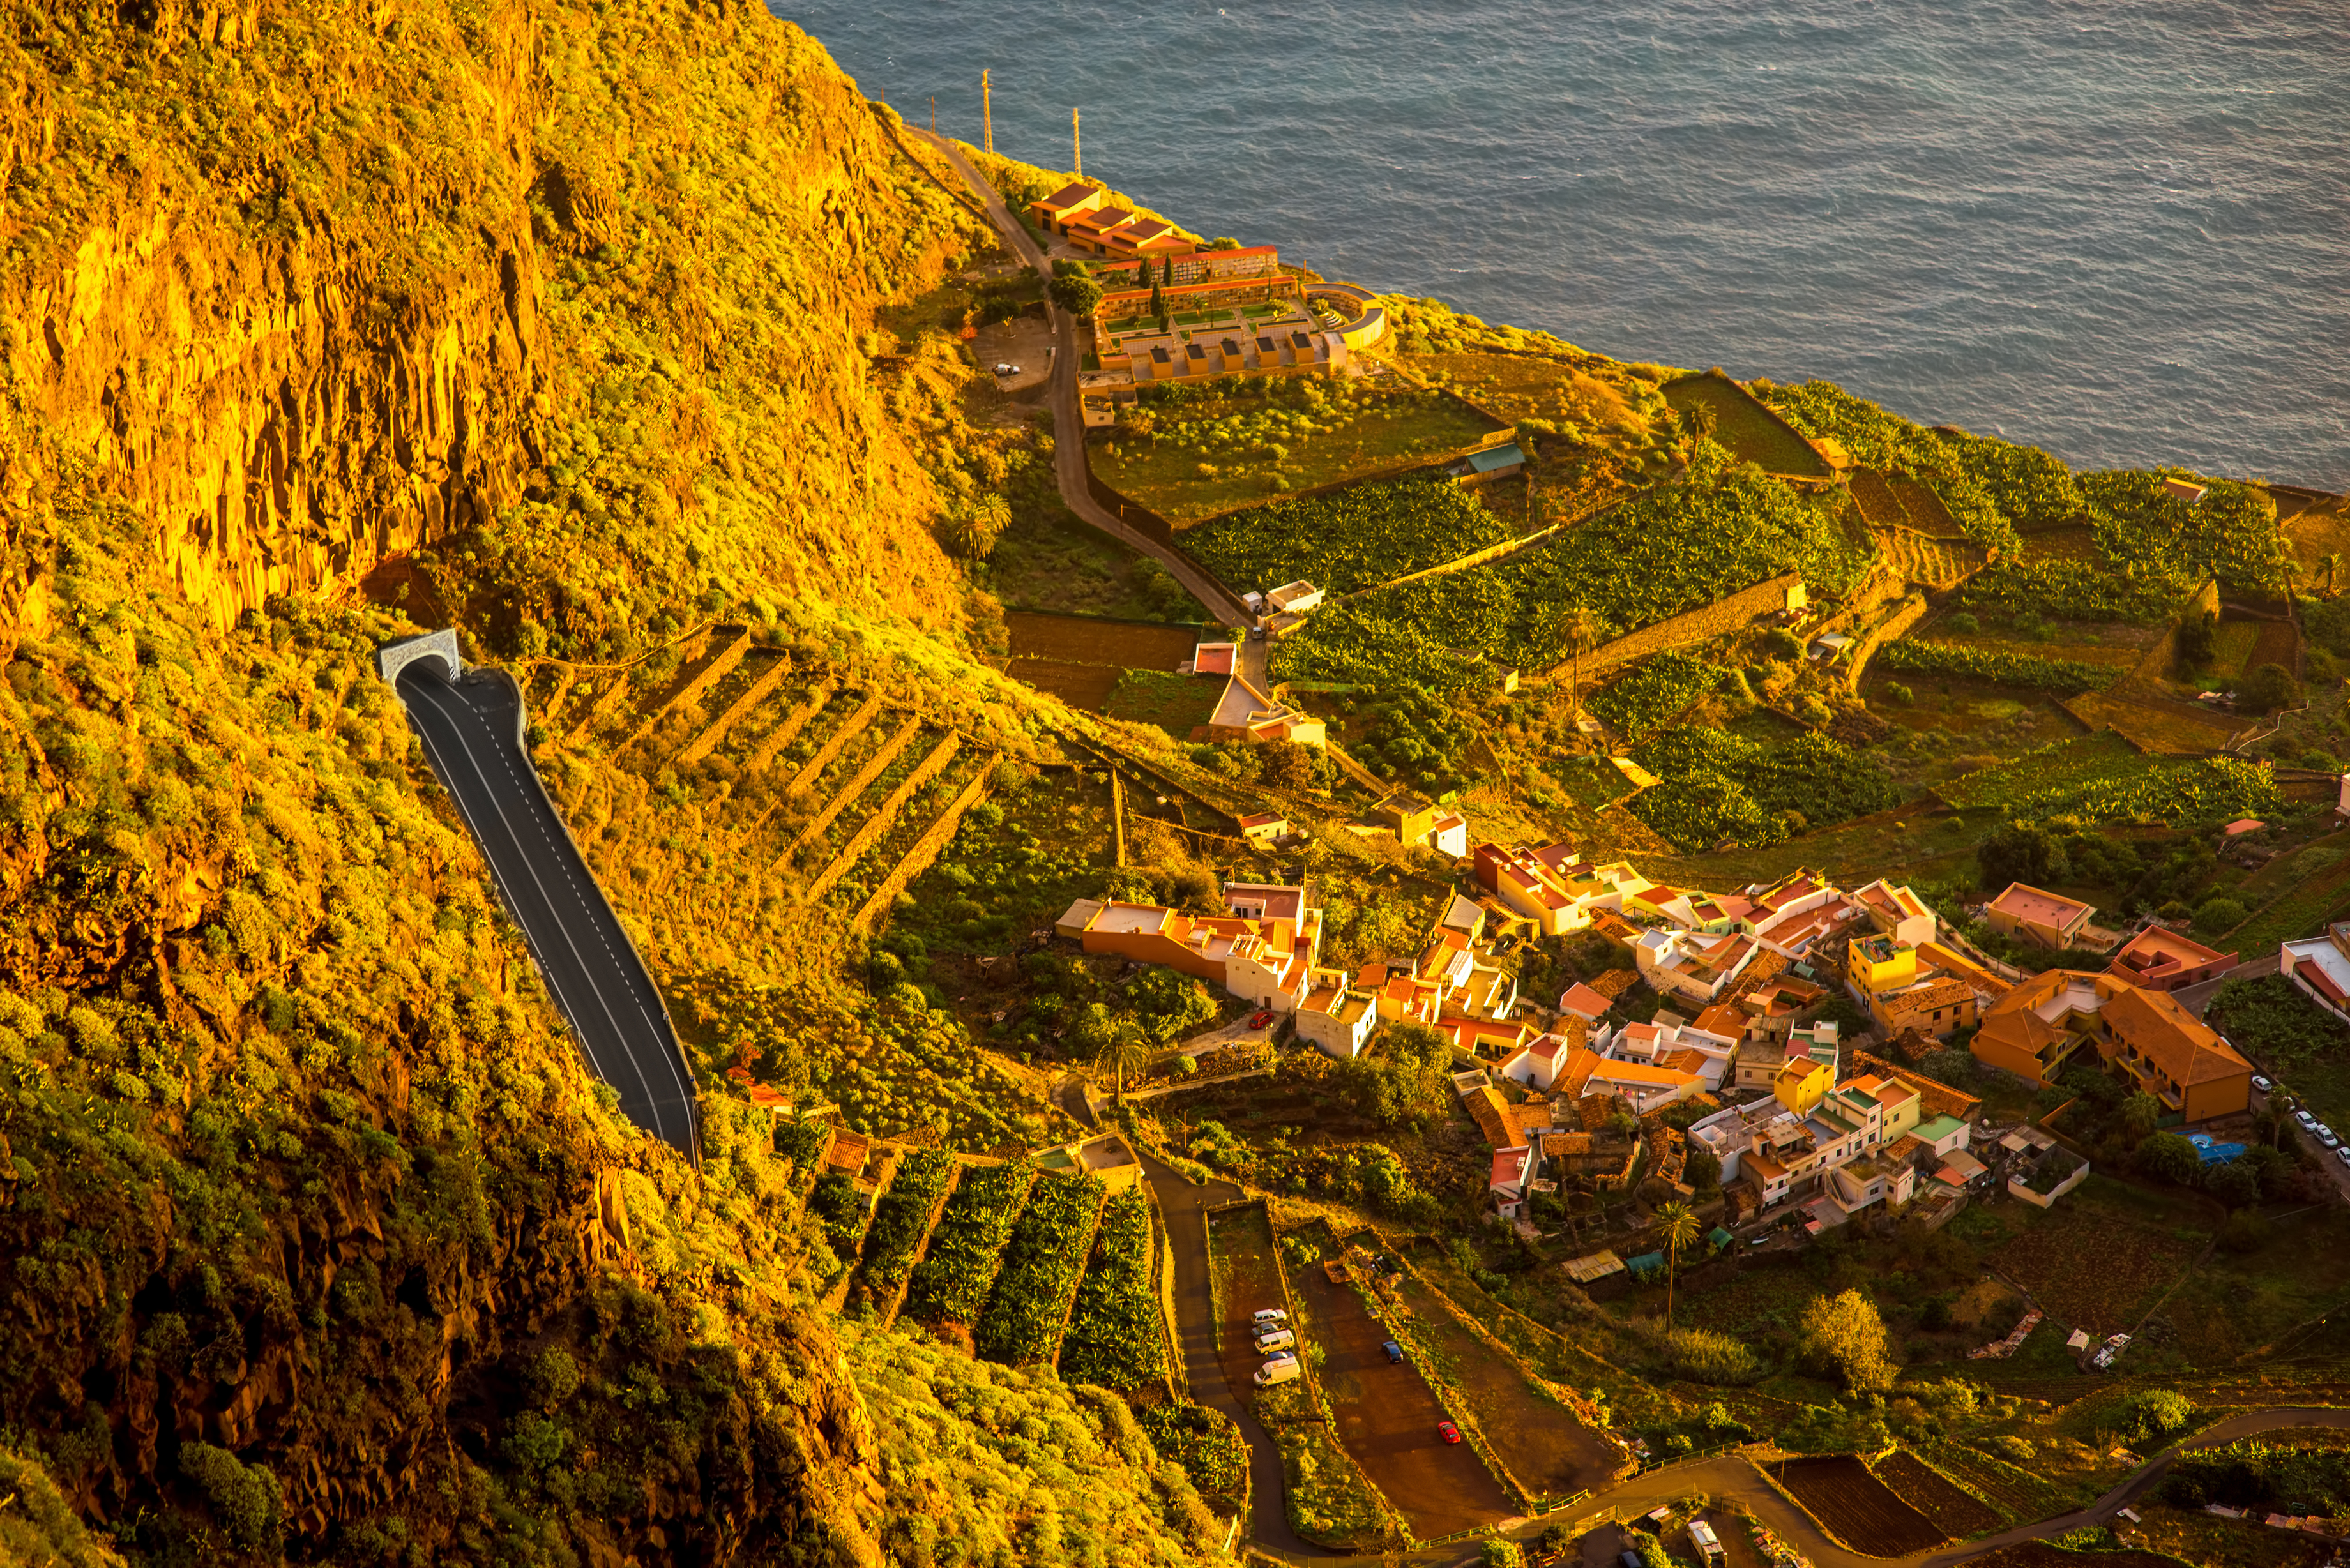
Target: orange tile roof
[
  {"x": 2037, "y": 907},
  {"x": 1491, "y": 1114}
]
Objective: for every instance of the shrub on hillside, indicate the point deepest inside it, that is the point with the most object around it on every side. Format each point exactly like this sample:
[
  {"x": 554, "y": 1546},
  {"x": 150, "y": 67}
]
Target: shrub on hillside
[{"x": 1708, "y": 1355}]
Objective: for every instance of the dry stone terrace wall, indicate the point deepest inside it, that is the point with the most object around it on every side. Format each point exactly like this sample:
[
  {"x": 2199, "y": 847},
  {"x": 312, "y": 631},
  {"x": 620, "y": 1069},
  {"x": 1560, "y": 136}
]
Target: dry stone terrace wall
[{"x": 1741, "y": 609}]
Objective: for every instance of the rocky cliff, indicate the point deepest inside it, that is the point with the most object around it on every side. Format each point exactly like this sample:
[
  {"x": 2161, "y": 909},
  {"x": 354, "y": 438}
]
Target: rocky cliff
[
  {"x": 305, "y": 286},
  {"x": 316, "y": 1241}
]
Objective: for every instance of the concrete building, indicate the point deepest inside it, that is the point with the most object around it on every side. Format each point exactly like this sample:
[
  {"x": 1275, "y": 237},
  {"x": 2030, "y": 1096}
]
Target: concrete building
[
  {"x": 2319, "y": 967},
  {"x": 2163, "y": 960},
  {"x": 2034, "y": 915}
]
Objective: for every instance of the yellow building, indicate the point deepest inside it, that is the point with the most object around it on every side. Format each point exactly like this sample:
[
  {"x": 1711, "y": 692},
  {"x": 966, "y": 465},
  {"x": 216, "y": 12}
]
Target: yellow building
[{"x": 1802, "y": 1082}]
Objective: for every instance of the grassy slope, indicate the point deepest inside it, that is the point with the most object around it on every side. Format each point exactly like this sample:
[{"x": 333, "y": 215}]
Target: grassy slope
[{"x": 297, "y": 1156}]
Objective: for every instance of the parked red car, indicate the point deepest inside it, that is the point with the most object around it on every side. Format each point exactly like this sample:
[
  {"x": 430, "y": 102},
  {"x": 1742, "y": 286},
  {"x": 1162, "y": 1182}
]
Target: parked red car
[
  {"x": 1447, "y": 1431},
  {"x": 1261, "y": 1019}
]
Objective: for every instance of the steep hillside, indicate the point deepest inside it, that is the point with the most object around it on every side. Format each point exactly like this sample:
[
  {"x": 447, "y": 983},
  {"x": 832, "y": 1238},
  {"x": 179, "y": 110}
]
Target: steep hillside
[{"x": 551, "y": 318}]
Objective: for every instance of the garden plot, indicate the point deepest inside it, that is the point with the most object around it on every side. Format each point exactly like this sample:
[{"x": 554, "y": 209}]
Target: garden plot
[
  {"x": 914, "y": 818},
  {"x": 2164, "y": 727},
  {"x": 1029, "y": 1305},
  {"x": 1013, "y": 865},
  {"x": 1190, "y": 452},
  {"x": 2019, "y": 1493},
  {"x": 1855, "y": 1508},
  {"x": 951, "y": 1284},
  {"x": 901, "y": 1222},
  {"x": 1348, "y": 540},
  {"x": 1177, "y": 704},
  {"x": 2136, "y": 1263},
  {"x": 1950, "y": 1507},
  {"x": 1541, "y": 1441},
  {"x": 761, "y": 735},
  {"x": 1750, "y": 431},
  {"x": 1117, "y": 1337},
  {"x": 1085, "y": 640}
]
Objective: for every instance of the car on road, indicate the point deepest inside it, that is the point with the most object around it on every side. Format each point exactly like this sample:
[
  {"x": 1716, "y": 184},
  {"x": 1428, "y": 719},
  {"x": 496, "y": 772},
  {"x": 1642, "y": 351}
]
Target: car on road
[
  {"x": 1273, "y": 1371},
  {"x": 1275, "y": 1339},
  {"x": 1007, "y": 370},
  {"x": 1261, "y": 1019},
  {"x": 1394, "y": 1352},
  {"x": 2343, "y": 1155},
  {"x": 1447, "y": 1431},
  {"x": 2305, "y": 1119},
  {"x": 2261, "y": 1083},
  {"x": 1271, "y": 1314},
  {"x": 2327, "y": 1136}
]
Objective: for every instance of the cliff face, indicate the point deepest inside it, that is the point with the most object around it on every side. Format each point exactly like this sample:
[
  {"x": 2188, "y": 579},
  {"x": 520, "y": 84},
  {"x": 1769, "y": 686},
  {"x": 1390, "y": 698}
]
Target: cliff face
[
  {"x": 306, "y": 286},
  {"x": 316, "y": 1241}
]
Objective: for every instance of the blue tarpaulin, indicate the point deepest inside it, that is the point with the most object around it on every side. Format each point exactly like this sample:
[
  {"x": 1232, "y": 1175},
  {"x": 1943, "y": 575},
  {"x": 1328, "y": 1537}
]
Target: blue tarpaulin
[{"x": 1646, "y": 1265}]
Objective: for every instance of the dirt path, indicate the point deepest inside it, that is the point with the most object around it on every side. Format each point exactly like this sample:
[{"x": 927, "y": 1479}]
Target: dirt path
[{"x": 1387, "y": 1417}]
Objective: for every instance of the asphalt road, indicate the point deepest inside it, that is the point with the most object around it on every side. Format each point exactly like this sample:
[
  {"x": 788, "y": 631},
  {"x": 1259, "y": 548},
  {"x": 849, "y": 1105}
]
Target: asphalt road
[{"x": 471, "y": 732}]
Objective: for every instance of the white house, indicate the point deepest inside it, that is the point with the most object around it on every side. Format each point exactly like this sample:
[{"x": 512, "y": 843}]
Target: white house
[
  {"x": 1692, "y": 965},
  {"x": 1295, "y": 598},
  {"x": 1336, "y": 1017},
  {"x": 1541, "y": 1061},
  {"x": 1449, "y": 836}
]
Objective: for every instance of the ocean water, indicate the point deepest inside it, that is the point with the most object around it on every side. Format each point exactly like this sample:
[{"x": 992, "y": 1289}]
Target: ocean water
[{"x": 2118, "y": 229}]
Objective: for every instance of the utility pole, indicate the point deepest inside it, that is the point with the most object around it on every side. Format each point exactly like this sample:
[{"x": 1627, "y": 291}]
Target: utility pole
[
  {"x": 987, "y": 114},
  {"x": 1078, "y": 142}
]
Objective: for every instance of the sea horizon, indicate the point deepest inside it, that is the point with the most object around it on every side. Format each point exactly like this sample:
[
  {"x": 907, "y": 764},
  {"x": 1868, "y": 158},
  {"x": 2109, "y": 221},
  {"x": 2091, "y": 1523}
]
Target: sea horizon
[{"x": 2112, "y": 231}]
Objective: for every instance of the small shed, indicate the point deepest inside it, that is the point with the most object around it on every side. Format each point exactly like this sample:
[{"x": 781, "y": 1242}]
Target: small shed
[
  {"x": 1497, "y": 462},
  {"x": 1596, "y": 1266},
  {"x": 1719, "y": 1238},
  {"x": 2185, "y": 490},
  {"x": 1647, "y": 1266}
]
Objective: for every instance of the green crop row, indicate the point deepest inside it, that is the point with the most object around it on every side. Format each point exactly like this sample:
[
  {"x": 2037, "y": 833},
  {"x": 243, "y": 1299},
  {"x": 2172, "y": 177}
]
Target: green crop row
[
  {"x": 1114, "y": 1338},
  {"x": 1655, "y": 691},
  {"x": 2073, "y": 590},
  {"x": 2174, "y": 793},
  {"x": 2063, "y": 765},
  {"x": 1715, "y": 785},
  {"x": 1348, "y": 539},
  {"x": 951, "y": 1284},
  {"x": 1040, "y": 1267},
  {"x": 2063, "y": 676},
  {"x": 898, "y": 1221},
  {"x": 1987, "y": 486},
  {"x": 2231, "y": 533},
  {"x": 1723, "y": 529}
]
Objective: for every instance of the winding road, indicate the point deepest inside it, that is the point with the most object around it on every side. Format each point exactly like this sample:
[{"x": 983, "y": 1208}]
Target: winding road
[
  {"x": 1068, "y": 427},
  {"x": 472, "y": 734}
]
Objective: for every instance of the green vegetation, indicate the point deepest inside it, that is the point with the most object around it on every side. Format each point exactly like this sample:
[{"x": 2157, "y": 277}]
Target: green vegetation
[
  {"x": 2076, "y": 590},
  {"x": 1346, "y": 540},
  {"x": 1844, "y": 1335},
  {"x": 1331, "y": 1502},
  {"x": 1970, "y": 477},
  {"x": 1716, "y": 785},
  {"x": 1191, "y": 450},
  {"x": 2022, "y": 670},
  {"x": 899, "y": 1221},
  {"x": 952, "y": 1282},
  {"x": 986, "y": 1445},
  {"x": 2293, "y": 1472},
  {"x": 1209, "y": 1447},
  {"x": 1655, "y": 690},
  {"x": 1722, "y": 530},
  {"x": 1418, "y": 736},
  {"x": 1040, "y": 1267},
  {"x": 1115, "y": 1336},
  {"x": 2051, "y": 770},
  {"x": 1176, "y": 704},
  {"x": 2230, "y": 534},
  {"x": 1733, "y": 418}
]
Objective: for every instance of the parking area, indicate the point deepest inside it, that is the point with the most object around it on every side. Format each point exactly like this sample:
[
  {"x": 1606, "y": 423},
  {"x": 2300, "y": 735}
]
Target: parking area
[{"x": 1388, "y": 1419}]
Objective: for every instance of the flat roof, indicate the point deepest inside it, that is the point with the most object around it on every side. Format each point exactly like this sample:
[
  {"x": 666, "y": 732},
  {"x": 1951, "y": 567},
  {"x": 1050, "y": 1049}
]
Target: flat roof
[
  {"x": 2023, "y": 902},
  {"x": 1128, "y": 919}
]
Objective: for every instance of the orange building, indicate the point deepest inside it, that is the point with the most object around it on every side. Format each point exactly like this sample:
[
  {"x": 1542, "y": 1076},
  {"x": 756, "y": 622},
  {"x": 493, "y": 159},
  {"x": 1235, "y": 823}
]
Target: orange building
[{"x": 2147, "y": 1035}]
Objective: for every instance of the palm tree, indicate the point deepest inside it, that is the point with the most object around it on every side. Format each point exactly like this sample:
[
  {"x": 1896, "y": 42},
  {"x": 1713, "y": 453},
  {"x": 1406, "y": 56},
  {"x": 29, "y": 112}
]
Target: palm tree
[
  {"x": 2141, "y": 1113},
  {"x": 2331, "y": 562},
  {"x": 1677, "y": 1225},
  {"x": 1583, "y": 628},
  {"x": 1125, "y": 1046}
]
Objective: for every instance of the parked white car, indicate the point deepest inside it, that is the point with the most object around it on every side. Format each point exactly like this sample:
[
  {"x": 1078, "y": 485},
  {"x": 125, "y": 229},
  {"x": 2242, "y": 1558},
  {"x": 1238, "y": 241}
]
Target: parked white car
[
  {"x": 2110, "y": 1349},
  {"x": 2305, "y": 1119},
  {"x": 2343, "y": 1155},
  {"x": 1270, "y": 1314},
  {"x": 1002, "y": 369},
  {"x": 2325, "y": 1134},
  {"x": 1275, "y": 1339},
  {"x": 2261, "y": 1083},
  {"x": 1277, "y": 1371}
]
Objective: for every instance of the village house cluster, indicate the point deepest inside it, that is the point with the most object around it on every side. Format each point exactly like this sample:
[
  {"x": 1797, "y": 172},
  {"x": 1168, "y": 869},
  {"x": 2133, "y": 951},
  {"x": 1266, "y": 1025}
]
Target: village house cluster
[{"x": 1568, "y": 1091}]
